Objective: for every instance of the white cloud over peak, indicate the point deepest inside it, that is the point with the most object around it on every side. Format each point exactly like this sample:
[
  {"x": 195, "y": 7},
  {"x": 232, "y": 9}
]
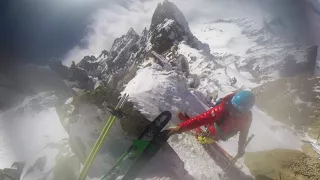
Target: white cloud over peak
[
  {"x": 110, "y": 23},
  {"x": 113, "y": 21}
]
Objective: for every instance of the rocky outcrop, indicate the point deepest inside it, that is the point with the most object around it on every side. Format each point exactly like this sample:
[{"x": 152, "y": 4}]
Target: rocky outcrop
[
  {"x": 181, "y": 64},
  {"x": 90, "y": 65},
  {"x": 293, "y": 101},
  {"x": 77, "y": 75},
  {"x": 126, "y": 51},
  {"x": 84, "y": 117},
  {"x": 13, "y": 173},
  {"x": 282, "y": 164},
  {"x": 117, "y": 66},
  {"x": 28, "y": 80},
  {"x": 121, "y": 53},
  {"x": 59, "y": 68},
  {"x": 55, "y": 161},
  {"x": 169, "y": 27},
  {"x": 80, "y": 76},
  {"x": 292, "y": 66}
]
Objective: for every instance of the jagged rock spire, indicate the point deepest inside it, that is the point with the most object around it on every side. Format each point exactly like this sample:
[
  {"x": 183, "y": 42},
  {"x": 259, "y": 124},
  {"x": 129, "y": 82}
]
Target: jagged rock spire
[
  {"x": 168, "y": 27},
  {"x": 168, "y": 10}
]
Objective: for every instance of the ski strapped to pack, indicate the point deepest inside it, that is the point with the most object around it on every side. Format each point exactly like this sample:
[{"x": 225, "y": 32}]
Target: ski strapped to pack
[{"x": 100, "y": 140}]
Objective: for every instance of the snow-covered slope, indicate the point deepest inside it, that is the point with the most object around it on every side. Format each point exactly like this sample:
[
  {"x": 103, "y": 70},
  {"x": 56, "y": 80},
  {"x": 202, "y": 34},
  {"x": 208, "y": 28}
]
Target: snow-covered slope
[
  {"x": 32, "y": 133},
  {"x": 213, "y": 75},
  {"x": 224, "y": 38},
  {"x": 250, "y": 44},
  {"x": 28, "y": 127},
  {"x": 168, "y": 90}
]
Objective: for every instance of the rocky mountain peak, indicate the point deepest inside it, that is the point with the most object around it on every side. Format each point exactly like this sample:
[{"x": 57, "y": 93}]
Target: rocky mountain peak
[
  {"x": 168, "y": 27},
  {"x": 124, "y": 52},
  {"x": 144, "y": 32},
  {"x": 104, "y": 54},
  {"x": 89, "y": 58},
  {"x": 143, "y": 39},
  {"x": 166, "y": 11},
  {"x": 131, "y": 32},
  {"x": 119, "y": 43},
  {"x": 89, "y": 64}
]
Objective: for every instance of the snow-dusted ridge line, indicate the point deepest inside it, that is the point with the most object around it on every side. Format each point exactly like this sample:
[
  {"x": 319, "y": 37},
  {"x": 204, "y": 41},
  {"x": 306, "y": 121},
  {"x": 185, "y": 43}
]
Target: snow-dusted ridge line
[{"x": 169, "y": 91}]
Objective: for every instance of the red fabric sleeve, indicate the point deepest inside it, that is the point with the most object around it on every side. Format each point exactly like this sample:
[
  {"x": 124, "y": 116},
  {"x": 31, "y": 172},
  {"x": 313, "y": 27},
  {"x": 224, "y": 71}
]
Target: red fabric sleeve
[{"x": 208, "y": 117}]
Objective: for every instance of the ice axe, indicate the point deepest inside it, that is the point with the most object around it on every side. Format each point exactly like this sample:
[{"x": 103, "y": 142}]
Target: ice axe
[{"x": 235, "y": 159}]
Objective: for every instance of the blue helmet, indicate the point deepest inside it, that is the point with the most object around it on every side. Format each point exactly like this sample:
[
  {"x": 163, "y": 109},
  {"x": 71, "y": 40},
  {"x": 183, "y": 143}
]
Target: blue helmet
[{"x": 243, "y": 101}]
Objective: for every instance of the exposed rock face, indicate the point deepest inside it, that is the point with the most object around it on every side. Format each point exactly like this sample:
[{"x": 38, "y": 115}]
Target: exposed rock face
[
  {"x": 80, "y": 76},
  {"x": 85, "y": 116},
  {"x": 118, "y": 65},
  {"x": 77, "y": 76},
  {"x": 13, "y": 173},
  {"x": 293, "y": 101},
  {"x": 169, "y": 27},
  {"x": 126, "y": 51},
  {"x": 90, "y": 65},
  {"x": 59, "y": 68},
  {"x": 292, "y": 67},
  {"x": 25, "y": 80},
  {"x": 181, "y": 64},
  {"x": 56, "y": 161},
  {"x": 282, "y": 164}
]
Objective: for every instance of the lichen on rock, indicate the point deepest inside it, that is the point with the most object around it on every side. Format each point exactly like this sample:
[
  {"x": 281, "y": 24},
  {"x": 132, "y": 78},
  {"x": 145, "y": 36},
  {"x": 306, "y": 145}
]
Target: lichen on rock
[
  {"x": 293, "y": 101},
  {"x": 282, "y": 164}
]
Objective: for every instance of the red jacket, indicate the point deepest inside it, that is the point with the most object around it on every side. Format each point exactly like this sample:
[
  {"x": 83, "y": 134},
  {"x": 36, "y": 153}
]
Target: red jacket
[{"x": 227, "y": 123}]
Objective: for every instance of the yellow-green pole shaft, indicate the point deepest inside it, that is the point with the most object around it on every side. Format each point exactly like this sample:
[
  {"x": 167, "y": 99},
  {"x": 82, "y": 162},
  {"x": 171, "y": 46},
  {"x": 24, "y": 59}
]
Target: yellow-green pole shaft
[
  {"x": 95, "y": 149},
  {"x": 99, "y": 141}
]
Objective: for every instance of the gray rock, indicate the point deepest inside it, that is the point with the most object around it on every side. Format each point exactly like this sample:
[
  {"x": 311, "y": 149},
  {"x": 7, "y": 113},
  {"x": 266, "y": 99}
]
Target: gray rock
[{"x": 12, "y": 173}]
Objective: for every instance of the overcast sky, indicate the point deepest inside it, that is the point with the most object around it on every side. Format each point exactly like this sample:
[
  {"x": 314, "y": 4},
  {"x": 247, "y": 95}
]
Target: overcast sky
[{"x": 37, "y": 30}]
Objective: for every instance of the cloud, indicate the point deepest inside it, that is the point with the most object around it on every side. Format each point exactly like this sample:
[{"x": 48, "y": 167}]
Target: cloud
[
  {"x": 114, "y": 20},
  {"x": 110, "y": 23}
]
